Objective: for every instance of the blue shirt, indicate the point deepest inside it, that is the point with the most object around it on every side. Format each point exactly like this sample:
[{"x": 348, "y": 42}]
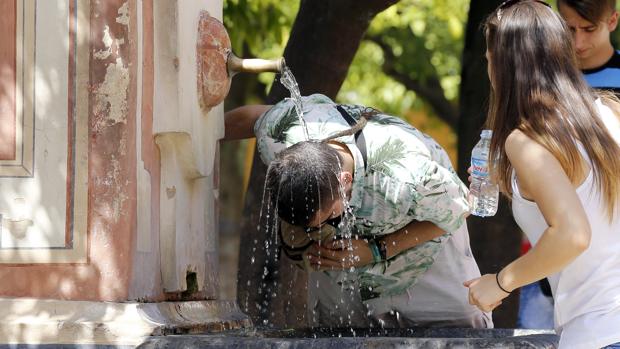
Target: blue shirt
[{"x": 607, "y": 76}]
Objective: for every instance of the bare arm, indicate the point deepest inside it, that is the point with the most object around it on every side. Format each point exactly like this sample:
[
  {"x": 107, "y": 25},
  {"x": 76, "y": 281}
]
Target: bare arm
[
  {"x": 239, "y": 122},
  {"x": 412, "y": 235},
  {"x": 542, "y": 179},
  {"x": 347, "y": 253}
]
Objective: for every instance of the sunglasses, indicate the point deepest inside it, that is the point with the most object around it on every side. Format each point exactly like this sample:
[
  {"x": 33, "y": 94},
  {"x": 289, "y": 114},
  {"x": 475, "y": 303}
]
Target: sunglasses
[
  {"x": 297, "y": 238},
  {"x": 508, "y": 3},
  {"x": 329, "y": 224}
]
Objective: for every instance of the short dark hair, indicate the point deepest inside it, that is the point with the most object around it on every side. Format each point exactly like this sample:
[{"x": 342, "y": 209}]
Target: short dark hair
[
  {"x": 303, "y": 178},
  {"x": 593, "y": 11}
]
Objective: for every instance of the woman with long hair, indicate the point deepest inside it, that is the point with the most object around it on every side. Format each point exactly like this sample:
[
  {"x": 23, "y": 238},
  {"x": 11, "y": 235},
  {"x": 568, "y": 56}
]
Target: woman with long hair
[{"x": 557, "y": 154}]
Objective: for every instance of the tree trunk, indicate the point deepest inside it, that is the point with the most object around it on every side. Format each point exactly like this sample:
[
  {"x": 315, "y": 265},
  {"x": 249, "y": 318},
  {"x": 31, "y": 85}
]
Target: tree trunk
[
  {"x": 324, "y": 39},
  {"x": 496, "y": 240},
  {"x": 429, "y": 89}
]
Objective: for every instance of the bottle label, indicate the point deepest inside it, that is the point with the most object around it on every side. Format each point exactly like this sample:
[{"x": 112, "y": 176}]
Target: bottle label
[{"x": 479, "y": 167}]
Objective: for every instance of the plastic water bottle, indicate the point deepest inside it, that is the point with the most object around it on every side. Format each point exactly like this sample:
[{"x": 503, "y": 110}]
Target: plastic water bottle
[{"x": 483, "y": 193}]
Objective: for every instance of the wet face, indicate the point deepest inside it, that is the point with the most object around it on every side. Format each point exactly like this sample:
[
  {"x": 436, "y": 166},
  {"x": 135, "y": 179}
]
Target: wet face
[
  {"x": 333, "y": 210},
  {"x": 592, "y": 40},
  {"x": 336, "y": 208}
]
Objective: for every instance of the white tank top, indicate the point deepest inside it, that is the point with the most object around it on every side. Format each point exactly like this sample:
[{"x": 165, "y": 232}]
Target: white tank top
[{"x": 587, "y": 292}]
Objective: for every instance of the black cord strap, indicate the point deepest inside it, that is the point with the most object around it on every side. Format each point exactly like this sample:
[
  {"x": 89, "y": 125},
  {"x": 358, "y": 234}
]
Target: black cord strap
[
  {"x": 499, "y": 285},
  {"x": 360, "y": 141}
]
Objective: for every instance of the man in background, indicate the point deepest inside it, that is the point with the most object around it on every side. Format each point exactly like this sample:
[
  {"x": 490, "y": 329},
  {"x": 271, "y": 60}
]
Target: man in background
[{"x": 592, "y": 22}]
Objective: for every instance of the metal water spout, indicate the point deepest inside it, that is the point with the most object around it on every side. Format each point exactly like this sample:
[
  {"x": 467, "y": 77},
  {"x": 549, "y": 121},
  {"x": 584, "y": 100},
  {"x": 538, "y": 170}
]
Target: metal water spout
[
  {"x": 253, "y": 65},
  {"x": 216, "y": 64}
]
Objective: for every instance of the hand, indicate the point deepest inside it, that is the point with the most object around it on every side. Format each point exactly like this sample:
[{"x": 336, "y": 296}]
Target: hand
[
  {"x": 340, "y": 254},
  {"x": 469, "y": 169},
  {"x": 485, "y": 293}
]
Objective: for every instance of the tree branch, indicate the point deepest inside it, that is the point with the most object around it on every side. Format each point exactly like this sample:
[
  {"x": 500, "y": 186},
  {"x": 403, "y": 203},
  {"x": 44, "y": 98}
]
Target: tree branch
[
  {"x": 313, "y": 52},
  {"x": 430, "y": 90}
]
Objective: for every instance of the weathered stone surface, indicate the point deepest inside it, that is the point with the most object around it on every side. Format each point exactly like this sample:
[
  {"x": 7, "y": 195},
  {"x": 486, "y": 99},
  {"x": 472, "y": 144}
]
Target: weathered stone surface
[
  {"x": 35, "y": 322},
  {"x": 467, "y": 341},
  {"x": 212, "y": 49}
]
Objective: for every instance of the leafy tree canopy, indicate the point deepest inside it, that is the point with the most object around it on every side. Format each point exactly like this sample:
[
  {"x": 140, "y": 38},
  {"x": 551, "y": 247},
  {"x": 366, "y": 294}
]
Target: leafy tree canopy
[
  {"x": 424, "y": 36},
  {"x": 426, "y": 39}
]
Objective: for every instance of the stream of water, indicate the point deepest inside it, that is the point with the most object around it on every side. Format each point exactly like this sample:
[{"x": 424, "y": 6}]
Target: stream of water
[
  {"x": 269, "y": 285},
  {"x": 288, "y": 80}
]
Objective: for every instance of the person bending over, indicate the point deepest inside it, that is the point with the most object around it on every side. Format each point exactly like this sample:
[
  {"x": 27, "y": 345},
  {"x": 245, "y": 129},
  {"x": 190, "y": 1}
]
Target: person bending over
[{"x": 372, "y": 208}]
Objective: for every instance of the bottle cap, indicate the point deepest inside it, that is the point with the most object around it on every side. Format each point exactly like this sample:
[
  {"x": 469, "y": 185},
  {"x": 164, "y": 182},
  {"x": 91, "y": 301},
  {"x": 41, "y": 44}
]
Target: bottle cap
[{"x": 486, "y": 134}]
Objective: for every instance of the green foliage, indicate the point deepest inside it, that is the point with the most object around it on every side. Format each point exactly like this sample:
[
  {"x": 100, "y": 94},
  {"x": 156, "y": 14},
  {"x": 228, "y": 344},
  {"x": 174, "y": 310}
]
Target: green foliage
[
  {"x": 366, "y": 84},
  {"x": 259, "y": 28},
  {"x": 261, "y": 25},
  {"x": 426, "y": 36}
]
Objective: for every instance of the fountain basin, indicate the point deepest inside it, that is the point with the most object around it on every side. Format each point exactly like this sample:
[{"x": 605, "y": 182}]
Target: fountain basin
[{"x": 362, "y": 338}]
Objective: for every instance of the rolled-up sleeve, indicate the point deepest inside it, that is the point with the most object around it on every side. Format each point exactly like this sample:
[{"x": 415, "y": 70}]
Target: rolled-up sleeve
[{"x": 439, "y": 195}]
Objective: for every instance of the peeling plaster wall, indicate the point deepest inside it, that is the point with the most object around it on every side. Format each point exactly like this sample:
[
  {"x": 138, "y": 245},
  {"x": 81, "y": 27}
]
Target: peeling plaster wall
[
  {"x": 106, "y": 94},
  {"x": 178, "y": 174},
  {"x": 146, "y": 278},
  {"x": 112, "y": 160},
  {"x": 105, "y": 274},
  {"x": 176, "y": 102},
  {"x": 140, "y": 85}
]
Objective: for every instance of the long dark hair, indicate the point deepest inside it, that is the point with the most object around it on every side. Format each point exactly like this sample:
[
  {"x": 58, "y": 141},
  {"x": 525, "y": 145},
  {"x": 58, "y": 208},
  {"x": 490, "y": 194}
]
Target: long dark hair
[{"x": 538, "y": 89}]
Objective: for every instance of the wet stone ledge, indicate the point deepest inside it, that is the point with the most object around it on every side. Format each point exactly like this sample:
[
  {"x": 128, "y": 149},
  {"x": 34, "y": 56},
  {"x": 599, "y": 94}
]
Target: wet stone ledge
[{"x": 361, "y": 338}]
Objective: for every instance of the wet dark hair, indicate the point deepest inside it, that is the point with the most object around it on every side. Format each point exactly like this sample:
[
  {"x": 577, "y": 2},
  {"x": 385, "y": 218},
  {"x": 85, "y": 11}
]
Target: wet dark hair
[
  {"x": 302, "y": 179},
  {"x": 592, "y": 11}
]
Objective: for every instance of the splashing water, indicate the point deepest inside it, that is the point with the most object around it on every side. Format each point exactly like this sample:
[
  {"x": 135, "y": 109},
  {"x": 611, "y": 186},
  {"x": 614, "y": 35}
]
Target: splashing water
[
  {"x": 264, "y": 254},
  {"x": 288, "y": 80}
]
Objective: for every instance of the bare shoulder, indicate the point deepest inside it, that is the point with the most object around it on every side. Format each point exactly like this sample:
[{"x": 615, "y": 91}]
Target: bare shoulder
[
  {"x": 525, "y": 152},
  {"x": 515, "y": 138},
  {"x": 518, "y": 143}
]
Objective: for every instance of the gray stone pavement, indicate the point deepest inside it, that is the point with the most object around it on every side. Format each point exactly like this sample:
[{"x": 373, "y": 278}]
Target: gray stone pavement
[
  {"x": 363, "y": 339},
  {"x": 336, "y": 339}
]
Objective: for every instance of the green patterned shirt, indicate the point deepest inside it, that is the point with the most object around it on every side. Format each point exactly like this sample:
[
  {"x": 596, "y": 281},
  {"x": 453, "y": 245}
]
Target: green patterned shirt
[{"x": 408, "y": 177}]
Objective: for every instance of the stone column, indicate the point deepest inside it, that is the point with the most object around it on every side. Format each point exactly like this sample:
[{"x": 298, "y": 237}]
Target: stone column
[{"x": 108, "y": 175}]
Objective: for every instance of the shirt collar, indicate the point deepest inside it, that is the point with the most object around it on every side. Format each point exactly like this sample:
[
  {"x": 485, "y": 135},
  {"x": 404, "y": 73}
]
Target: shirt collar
[{"x": 357, "y": 187}]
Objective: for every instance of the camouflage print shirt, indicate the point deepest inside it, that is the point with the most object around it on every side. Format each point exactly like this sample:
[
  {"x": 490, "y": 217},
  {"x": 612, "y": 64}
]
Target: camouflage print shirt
[{"x": 408, "y": 177}]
